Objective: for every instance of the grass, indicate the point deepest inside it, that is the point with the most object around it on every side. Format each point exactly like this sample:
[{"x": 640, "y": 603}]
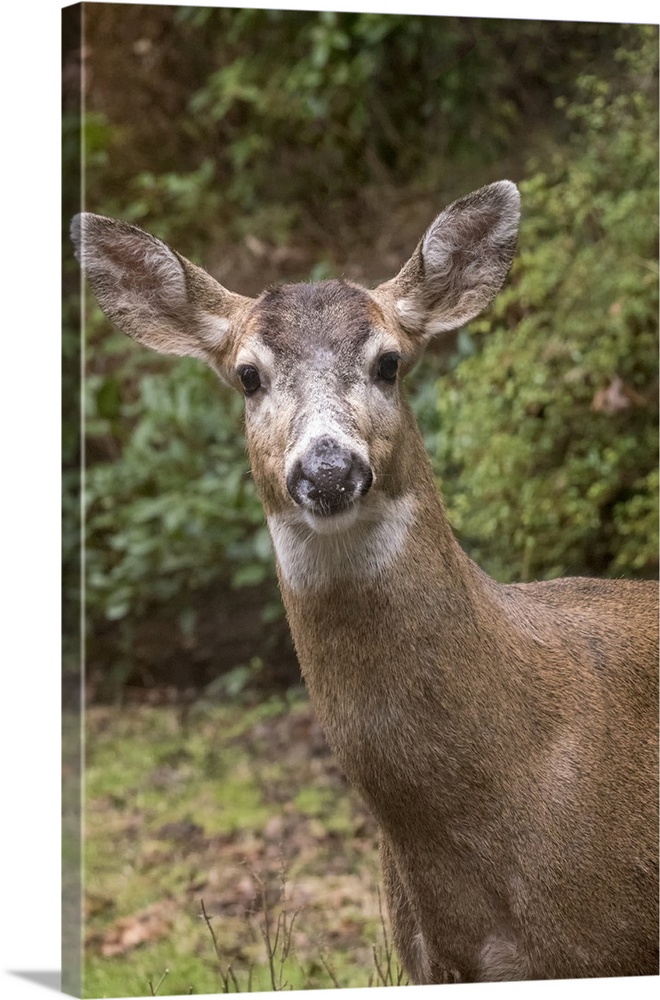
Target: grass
[{"x": 224, "y": 852}]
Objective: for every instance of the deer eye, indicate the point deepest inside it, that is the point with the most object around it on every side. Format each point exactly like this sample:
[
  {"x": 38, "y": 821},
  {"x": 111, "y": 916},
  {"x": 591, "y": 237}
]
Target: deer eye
[
  {"x": 250, "y": 379},
  {"x": 388, "y": 366}
]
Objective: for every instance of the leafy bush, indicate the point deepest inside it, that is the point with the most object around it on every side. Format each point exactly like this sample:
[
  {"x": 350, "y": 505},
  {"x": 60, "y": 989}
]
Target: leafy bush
[
  {"x": 548, "y": 444},
  {"x": 264, "y": 124},
  {"x": 179, "y": 509},
  {"x": 268, "y": 120}
]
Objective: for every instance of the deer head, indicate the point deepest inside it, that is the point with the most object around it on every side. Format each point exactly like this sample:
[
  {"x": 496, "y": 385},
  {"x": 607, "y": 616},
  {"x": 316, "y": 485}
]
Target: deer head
[{"x": 319, "y": 364}]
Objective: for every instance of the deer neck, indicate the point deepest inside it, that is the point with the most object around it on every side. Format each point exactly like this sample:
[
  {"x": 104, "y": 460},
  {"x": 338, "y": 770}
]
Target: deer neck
[
  {"x": 393, "y": 582},
  {"x": 379, "y": 614}
]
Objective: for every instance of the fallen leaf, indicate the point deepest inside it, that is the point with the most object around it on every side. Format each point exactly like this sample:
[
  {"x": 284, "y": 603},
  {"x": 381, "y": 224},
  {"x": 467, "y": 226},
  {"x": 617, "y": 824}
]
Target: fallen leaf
[{"x": 144, "y": 927}]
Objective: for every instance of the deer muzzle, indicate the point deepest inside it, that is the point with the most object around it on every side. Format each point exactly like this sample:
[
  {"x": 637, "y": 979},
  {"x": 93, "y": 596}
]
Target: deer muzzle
[{"x": 328, "y": 478}]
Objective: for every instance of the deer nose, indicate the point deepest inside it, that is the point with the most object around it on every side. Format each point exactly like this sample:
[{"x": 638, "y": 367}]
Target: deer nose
[{"x": 328, "y": 478}]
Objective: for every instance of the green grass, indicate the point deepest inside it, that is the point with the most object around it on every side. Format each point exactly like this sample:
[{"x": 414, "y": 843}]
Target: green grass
[{"x": 243, "y": 809}]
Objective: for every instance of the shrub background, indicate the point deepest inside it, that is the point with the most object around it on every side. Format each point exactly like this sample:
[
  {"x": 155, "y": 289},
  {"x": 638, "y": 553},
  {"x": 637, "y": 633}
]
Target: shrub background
[{"x": 273, "y": 145}]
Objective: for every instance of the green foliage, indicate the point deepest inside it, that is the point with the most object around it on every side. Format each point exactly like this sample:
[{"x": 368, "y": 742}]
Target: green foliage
[
  {"x": 322, "y": 107},
  {"x": 179, "y": 509},
  {"x": 71, "y": 390},
  {"x": 286, "y": 126},
  {"x": 283, "y": 114},
  {"x": 548, "y": 443}
]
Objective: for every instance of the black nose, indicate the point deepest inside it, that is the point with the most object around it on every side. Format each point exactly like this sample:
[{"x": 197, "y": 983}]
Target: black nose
[{"x": 328, "y": 477}]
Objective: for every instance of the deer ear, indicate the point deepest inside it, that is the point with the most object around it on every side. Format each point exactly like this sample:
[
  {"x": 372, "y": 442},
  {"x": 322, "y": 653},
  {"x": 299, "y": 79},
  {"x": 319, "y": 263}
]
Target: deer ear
[
  {"x": 459, "y": 264},
  {"x": 151, "y": 292}
]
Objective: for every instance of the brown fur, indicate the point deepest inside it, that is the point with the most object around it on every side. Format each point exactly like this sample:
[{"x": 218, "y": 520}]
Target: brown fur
[{"x": 505, "y": 737}]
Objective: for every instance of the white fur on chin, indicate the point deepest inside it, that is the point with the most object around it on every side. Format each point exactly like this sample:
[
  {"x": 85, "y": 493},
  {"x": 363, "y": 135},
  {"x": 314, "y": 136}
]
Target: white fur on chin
[{"x": 314, "y": 553}]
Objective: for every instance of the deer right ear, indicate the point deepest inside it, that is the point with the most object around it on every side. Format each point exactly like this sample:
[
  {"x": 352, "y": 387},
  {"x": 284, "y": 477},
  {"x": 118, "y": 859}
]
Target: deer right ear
[
  {"x": 459, "y": 264},
  {"x": 151, "y": 292}
]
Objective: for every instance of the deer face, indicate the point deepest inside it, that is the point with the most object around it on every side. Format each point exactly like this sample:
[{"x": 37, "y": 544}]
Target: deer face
[{"x": 319, "y": 366}]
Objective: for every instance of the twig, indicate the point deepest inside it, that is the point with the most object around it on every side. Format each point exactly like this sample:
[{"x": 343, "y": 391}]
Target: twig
[
  {"x": 286, "y": 945},
  {"x": 388, "y": 950},
  {"x": 154, "y": 989},
  {"x": 228, "y": 976},
  {"x": 265, "y": 931},
  {"x": 232, "y": 974},
  {"x": 331, "y": 972},
  {"x": 381, "y": 975},
  {"x": 207, "y": 920}
]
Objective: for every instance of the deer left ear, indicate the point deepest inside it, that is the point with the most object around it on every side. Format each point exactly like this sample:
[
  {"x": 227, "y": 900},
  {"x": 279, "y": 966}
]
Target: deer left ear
[
  {"x": 459, "y": 264},
  {"x": 152, "y": 293}
]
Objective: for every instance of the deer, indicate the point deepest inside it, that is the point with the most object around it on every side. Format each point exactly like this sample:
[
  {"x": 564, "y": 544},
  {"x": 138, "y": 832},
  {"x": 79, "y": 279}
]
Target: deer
[{"x": 504, "y": 736}]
